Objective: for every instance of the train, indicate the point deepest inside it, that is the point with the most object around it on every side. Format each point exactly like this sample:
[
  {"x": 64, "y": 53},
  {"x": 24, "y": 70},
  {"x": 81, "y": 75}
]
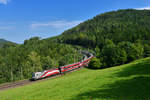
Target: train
[{"x": 87, "y": 56}]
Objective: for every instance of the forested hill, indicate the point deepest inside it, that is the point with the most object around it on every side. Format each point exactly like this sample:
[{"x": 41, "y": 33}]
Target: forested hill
[
  {"x": 4, "y": 42},
  {"x": 117, "y": 37},
  {"x": 122, "y": 25}
]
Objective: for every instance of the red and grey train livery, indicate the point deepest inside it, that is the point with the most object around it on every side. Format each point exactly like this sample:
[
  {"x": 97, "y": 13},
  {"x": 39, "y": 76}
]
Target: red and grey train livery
[{"x": 63, "y": 69}]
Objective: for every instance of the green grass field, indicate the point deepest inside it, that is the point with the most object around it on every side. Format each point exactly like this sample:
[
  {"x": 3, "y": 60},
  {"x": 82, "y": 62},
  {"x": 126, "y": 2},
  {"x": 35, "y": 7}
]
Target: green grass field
[{"x": 126, "y": 82}]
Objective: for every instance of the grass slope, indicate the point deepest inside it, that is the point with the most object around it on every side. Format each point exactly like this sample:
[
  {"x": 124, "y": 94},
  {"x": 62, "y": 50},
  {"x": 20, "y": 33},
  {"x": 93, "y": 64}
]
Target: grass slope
[{"x": 126, "y": 82}]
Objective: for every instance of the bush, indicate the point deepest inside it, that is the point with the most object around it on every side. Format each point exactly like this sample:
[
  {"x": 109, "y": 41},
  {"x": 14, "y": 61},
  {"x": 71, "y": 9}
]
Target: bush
[{"x": 95, "y": 63}]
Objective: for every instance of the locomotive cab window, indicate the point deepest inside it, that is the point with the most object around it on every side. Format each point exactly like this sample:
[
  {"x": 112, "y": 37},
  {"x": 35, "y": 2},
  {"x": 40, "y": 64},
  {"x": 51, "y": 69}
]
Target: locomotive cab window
[{"x": 33, "y": 74}]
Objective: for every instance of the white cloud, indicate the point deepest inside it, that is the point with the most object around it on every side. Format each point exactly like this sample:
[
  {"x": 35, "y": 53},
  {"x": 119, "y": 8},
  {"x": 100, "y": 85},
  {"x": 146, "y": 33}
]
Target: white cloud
[
  {"x": 4, "y": 1},
  {"x": 55, "y": 24},
  {"x": 144, "y": 8}
]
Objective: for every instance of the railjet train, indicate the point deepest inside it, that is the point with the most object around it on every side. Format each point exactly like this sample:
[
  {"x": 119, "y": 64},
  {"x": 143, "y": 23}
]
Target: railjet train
[{"x": 63, "y": 69}]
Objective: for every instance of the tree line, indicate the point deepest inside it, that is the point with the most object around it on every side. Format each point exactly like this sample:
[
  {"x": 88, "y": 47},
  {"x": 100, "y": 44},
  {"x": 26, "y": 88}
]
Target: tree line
[{"x": 18, "y": 62}]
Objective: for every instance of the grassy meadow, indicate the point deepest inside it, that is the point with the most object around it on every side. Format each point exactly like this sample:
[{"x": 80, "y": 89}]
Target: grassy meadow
[{"x": 127, "y": 82}]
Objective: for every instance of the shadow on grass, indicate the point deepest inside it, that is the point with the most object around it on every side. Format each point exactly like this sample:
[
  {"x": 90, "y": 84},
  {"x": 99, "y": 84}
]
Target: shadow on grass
[
  {"x": 137, "y": 88},
  {"x": 133, "y": 88},
  {"x": 141, "y": 68}
]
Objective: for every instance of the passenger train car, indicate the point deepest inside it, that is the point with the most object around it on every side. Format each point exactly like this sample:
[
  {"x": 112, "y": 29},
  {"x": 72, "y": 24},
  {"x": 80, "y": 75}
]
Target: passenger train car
[{"x": 63, "y": 69}]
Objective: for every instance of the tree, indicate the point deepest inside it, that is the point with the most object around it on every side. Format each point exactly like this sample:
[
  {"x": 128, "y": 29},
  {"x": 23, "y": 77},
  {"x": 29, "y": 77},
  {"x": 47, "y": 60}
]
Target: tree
[
  {"x": 146, "y": 50},
  {"x": 113, "y": 55},
  {"x": 97, "y": 50},
  {"x": 47, "y": 62},
  {"x": 140, "y": 50},
  {"x": 34, "y": 62},
  {"x": 132, "y": 51},
  {"x": 95, "y": 63}
]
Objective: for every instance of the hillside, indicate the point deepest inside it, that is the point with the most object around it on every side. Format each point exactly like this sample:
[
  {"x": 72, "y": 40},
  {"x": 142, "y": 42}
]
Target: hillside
[
  {"x": 117, "y": 37},
  {"x": 122, "y": 25},
  {"x": 126, "y": 82},
  {"x": 5, "y": 42}
]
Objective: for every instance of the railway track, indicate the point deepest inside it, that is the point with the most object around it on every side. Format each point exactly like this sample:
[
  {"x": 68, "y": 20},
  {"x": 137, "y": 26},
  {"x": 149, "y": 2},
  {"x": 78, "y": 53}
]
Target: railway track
[
  {"x": 26, "y": 82},
  {"x": 14, "y": 84}
]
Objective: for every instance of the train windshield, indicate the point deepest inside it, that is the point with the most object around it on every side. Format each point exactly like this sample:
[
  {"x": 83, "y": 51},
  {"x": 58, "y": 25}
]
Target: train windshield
[{"x": 33, "y": 74}]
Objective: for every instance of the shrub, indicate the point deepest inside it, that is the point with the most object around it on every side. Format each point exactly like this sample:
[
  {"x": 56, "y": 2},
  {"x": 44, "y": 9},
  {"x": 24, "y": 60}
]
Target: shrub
[{"x": 95, "y": 63}]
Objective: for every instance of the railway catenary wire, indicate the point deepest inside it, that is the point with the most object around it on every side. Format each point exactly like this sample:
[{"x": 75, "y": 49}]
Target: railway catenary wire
[{"x": 53, "y": 73}]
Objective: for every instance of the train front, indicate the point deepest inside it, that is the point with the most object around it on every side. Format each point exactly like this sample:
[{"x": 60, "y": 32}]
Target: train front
[{"x": 36, "y": 75}]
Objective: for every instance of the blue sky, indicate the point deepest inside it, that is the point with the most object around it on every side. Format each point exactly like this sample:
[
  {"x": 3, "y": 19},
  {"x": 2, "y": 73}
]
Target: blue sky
[{"x": 23, "y": 19}]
